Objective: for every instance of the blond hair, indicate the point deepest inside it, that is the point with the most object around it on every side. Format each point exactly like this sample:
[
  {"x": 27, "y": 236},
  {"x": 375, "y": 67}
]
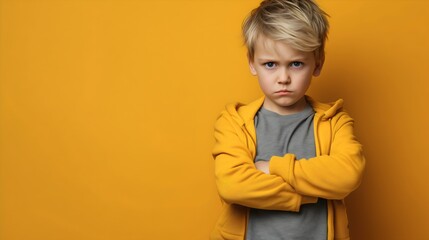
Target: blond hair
[{"x": 300, "y": 23}]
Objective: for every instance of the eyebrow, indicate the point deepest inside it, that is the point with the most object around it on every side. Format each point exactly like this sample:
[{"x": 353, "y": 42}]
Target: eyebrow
[{"x": 293, "y": 59}]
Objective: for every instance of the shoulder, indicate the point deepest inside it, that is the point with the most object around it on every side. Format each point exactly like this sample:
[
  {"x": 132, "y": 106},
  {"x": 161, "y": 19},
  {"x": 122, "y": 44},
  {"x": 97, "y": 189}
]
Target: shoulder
[
  {"x": 329, "y": 109},
  {"x": 332, "y": 111},
  {"x": 239, "y": 113}
]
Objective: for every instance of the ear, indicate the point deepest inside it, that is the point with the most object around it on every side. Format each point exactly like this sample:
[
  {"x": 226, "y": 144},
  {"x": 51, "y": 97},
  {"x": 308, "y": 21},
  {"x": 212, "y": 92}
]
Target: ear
[
  {"x": 319, "y": 66},
  {"x": 252, "y": 67}
]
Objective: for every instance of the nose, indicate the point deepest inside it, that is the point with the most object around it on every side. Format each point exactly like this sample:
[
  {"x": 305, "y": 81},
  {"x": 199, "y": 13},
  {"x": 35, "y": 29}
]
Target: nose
[{"x": 284, "y": 77}]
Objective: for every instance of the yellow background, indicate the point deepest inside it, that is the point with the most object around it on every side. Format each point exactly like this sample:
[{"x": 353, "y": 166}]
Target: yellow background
[{"x": 107, "y": 110}]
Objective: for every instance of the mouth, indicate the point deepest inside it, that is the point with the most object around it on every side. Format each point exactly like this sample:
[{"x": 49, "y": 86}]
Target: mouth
[{"x": 283, "y": 92}]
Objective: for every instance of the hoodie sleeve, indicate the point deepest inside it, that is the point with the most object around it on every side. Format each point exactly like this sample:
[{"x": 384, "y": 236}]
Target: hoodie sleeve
[
  {"x": 331, "y": 175},
  {"x": 237, "y": 179}
]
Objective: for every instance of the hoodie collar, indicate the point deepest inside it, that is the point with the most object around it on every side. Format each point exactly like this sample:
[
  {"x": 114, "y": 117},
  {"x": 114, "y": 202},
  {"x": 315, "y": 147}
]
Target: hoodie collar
[
  {"x": 244, "y": 114},
  {"x": 325, "y": 110}
]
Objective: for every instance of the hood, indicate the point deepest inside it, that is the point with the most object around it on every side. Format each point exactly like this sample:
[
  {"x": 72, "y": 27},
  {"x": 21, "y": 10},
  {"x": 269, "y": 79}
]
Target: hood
[
  {"x": 326, "y": 110},
  {"x": 242, "y": 113}
]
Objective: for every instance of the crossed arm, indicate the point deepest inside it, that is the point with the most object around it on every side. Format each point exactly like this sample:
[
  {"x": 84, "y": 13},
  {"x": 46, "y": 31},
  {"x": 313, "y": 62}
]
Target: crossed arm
[
  {"x": 283, "y": 183},
  {"x": 239, "y": 182}
]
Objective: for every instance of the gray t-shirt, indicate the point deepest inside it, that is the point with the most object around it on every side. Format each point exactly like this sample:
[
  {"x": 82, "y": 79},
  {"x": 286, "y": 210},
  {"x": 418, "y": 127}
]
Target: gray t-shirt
[{"x": 277, "y": 135}]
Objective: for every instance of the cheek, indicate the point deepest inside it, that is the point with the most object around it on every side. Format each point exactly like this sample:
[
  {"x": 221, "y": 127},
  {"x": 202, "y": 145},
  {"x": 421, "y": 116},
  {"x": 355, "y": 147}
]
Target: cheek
[
  {"x": 264, "y": 83},
  {"x": 304, "y": 81}
]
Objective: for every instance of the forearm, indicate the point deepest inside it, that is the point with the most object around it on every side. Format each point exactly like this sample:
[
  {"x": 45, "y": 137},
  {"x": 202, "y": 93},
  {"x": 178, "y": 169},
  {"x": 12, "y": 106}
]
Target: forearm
[
  {"x": 331, "y": 175},
  {"x": 245, "y": 185}
]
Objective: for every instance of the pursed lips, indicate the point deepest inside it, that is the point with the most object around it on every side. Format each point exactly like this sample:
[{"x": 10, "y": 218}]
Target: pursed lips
[{"x": 283, "y": 91}]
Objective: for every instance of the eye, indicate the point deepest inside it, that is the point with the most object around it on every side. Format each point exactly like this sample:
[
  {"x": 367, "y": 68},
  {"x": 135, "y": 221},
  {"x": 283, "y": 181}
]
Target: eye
[
  {"x": 296, "y": 64},
  {"x": 269, "y": 65}
]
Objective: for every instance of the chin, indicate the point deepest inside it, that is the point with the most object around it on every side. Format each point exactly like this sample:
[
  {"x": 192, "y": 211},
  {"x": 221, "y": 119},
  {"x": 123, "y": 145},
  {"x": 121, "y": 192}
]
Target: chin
[{"x": 286, "y": 104}]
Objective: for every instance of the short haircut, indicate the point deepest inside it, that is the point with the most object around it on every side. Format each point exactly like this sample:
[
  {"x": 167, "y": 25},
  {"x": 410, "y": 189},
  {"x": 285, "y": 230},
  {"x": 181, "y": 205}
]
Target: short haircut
[{"x": 300, "y": 23}]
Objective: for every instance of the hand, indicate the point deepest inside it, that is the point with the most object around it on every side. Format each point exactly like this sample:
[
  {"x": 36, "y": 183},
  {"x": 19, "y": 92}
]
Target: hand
[{"x": 263, "y": 166}]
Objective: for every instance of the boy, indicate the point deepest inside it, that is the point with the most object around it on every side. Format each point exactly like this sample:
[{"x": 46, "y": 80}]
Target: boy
[{"x": 284, "y": 163}]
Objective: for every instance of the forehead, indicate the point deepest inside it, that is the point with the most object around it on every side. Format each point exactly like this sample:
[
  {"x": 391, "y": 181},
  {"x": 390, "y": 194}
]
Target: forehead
[{"x": 266, "y": 47}]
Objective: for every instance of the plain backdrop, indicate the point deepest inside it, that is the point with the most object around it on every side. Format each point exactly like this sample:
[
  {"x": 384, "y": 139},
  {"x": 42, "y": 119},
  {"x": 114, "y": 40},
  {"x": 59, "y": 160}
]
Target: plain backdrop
[{"x": 107, "y": 110}]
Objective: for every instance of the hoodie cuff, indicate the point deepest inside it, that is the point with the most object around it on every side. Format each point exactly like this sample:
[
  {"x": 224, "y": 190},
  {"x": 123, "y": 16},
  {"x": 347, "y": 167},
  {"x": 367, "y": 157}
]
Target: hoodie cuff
[
  {"x": 282, "y": 166},
  {"x": 308, "y": 199}
]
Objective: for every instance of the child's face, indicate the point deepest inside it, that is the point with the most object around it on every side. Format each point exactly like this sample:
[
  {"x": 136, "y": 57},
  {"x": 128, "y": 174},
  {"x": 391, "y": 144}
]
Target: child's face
[{"x": 284, "y": 74}]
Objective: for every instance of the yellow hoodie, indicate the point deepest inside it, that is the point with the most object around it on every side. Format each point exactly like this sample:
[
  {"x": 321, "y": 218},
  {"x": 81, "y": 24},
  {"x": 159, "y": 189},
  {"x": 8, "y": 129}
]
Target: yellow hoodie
[{"x": 334, "y": 173}]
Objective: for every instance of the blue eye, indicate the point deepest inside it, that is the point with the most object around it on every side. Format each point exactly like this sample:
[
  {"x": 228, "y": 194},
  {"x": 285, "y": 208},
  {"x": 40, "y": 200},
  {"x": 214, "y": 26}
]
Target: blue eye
[
  {"x": 296, "y": 64},
  {"x": 269, "y": 65}
]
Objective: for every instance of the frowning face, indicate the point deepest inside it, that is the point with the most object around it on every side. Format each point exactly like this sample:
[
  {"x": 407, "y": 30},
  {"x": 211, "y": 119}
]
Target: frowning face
[{"x": 284, "y": 74}]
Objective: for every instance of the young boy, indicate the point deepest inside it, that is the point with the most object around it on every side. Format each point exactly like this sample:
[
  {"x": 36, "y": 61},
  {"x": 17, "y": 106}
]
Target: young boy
[{"x": 285, "y": 162}]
